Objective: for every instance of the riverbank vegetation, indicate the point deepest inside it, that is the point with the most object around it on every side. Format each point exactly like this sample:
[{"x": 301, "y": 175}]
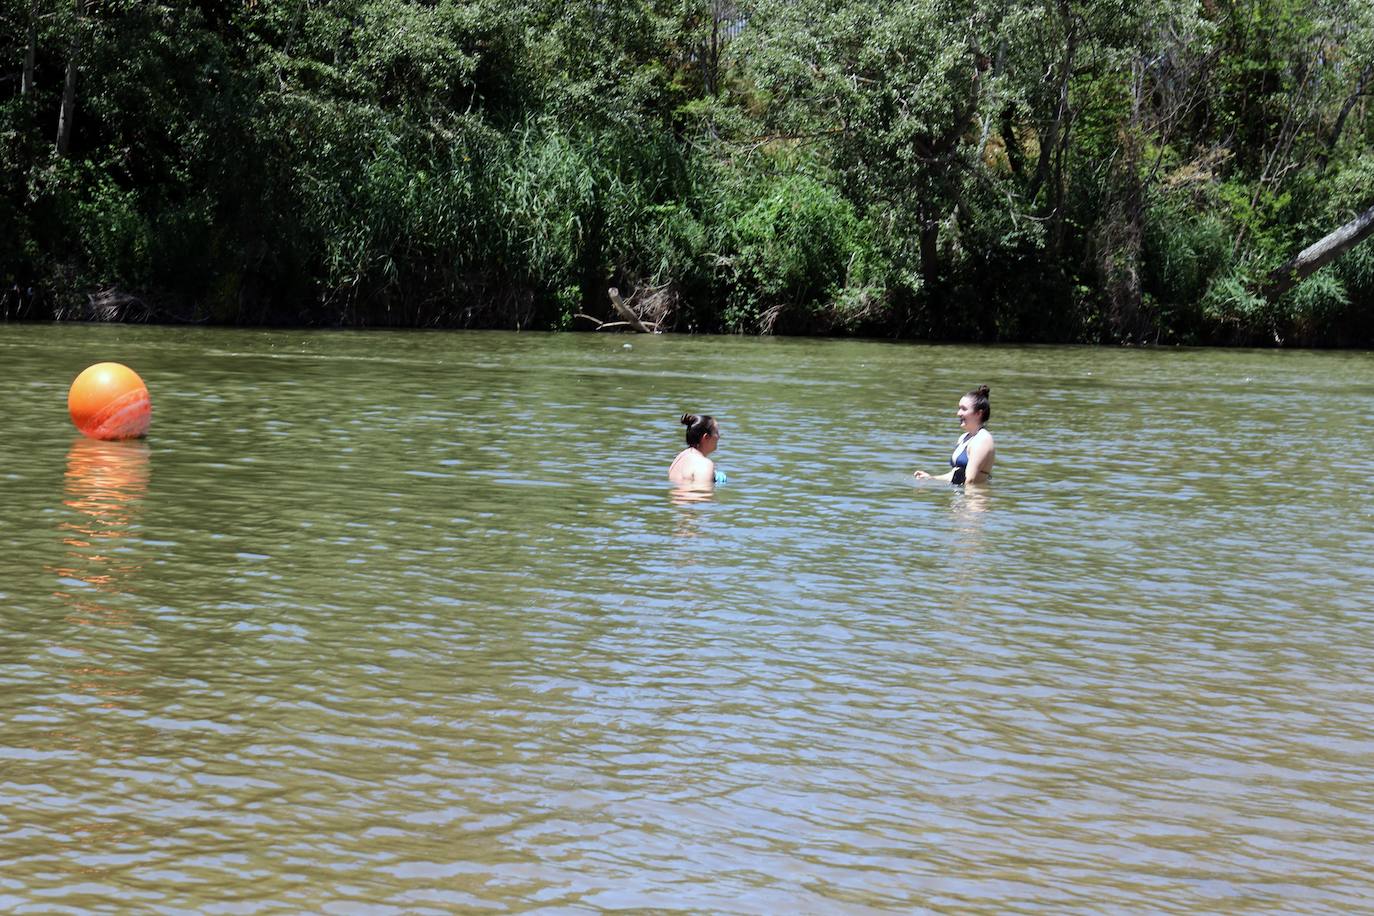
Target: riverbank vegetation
[{"x": 1057, "y": 170}]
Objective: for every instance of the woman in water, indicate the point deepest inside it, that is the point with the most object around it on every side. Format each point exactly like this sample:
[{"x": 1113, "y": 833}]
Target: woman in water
[
  {"x": 692, "y": 466},
  {"x": 974, "y": 453}
]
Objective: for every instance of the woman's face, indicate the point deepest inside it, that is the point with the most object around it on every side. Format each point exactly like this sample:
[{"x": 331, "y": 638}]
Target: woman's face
[
  {"x": 708, "y": 442},
  {"x": 969, "y": 419}
]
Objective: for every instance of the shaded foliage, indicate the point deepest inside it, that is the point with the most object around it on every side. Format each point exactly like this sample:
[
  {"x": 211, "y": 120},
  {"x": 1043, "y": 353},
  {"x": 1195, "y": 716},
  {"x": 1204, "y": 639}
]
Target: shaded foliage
[{"x": 1088, "y": 170}]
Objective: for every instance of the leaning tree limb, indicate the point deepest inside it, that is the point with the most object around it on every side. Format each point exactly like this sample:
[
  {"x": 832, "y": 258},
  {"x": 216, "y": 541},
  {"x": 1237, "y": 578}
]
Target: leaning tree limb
[
  {"x": 625, "y": 312},
  {"x": 1317, "y": 255}
]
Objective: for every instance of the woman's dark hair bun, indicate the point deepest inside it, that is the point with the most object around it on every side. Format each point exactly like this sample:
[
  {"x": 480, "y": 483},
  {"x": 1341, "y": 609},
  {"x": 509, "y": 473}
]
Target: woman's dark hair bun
[
  {"x": 698, "y": 426},
  {"x": 980, "y": 401}
]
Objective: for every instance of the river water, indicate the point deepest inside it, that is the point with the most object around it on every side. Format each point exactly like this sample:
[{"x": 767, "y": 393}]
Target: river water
[{"x": 412, "y": 623}]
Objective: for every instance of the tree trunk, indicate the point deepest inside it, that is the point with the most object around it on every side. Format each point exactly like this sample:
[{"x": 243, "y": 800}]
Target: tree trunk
[
  {"x": 928, "y": 240},
  {"x": 1050, "y": 141},
  {"x": 710, "y": 54},
  {"x": 1317, "y": 255},
  {"x": 31, "y": 52},
  {"x": 1016, "y": 156},
  {"x": 1123, "y": 225},
  {"x": 1325, "y": 155},
  {"x": 1122, "y": 242},
  {"x": 68, "y": 110}
]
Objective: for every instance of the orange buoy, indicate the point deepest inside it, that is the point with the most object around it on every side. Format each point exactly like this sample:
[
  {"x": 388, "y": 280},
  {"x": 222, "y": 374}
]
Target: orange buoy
[{"x": 110, "y": 401}]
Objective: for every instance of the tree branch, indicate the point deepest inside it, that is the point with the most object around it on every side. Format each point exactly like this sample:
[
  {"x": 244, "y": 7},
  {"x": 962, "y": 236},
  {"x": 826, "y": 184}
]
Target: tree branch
[{"x": 1317, "y": 255}]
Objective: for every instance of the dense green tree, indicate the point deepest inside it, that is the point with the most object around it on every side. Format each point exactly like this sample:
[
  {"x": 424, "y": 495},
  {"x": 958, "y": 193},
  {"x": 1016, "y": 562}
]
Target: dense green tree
[{"x": 1025, "y": 169}]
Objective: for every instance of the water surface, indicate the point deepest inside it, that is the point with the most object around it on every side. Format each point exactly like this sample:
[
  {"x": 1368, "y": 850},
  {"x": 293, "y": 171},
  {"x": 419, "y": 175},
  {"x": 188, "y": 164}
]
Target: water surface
[{"x": 412, "y": 623}]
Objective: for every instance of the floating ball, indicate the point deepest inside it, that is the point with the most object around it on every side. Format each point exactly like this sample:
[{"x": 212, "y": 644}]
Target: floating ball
[{"x": 110, "y": 401}]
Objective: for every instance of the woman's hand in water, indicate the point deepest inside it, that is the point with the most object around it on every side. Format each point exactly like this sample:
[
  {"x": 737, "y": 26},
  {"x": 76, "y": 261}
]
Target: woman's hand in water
[{"x": 921, "y": 474}]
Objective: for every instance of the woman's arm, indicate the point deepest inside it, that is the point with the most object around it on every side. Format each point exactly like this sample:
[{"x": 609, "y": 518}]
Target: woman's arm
[{"x": 922, "y": 475}]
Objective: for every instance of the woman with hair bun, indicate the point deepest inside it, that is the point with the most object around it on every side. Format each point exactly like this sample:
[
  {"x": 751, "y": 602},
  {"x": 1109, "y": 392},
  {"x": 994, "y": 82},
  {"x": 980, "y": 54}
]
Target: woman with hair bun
[
  {"x": 692, "y": 466},
  {"x": 975, "y": 452}
]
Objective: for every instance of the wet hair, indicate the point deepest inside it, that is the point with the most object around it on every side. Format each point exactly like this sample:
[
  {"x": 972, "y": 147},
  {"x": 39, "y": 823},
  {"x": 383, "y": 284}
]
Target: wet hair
[
  {"x": 699, "y": 426},
  {"x": 979, "y": 397}
]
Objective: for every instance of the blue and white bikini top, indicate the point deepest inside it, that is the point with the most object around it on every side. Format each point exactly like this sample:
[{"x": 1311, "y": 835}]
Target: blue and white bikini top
[{"x": 959, "y": 460}]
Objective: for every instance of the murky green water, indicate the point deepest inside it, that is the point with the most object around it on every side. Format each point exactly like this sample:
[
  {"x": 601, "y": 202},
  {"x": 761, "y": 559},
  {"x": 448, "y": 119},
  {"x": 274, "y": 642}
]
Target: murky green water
[{"x": 412, "y": 623}]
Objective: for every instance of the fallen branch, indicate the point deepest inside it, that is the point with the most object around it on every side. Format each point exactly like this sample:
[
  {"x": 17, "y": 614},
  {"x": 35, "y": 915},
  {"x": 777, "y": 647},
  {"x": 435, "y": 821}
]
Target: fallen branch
[
  {"x": 1319, "y": 254},
  {"x": 625, "y": 312},
  {"x": 603, "y": 325}
]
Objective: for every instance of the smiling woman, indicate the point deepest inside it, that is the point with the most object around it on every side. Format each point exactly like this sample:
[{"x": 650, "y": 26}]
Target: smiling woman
[{"x": 975, "y": 452}]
